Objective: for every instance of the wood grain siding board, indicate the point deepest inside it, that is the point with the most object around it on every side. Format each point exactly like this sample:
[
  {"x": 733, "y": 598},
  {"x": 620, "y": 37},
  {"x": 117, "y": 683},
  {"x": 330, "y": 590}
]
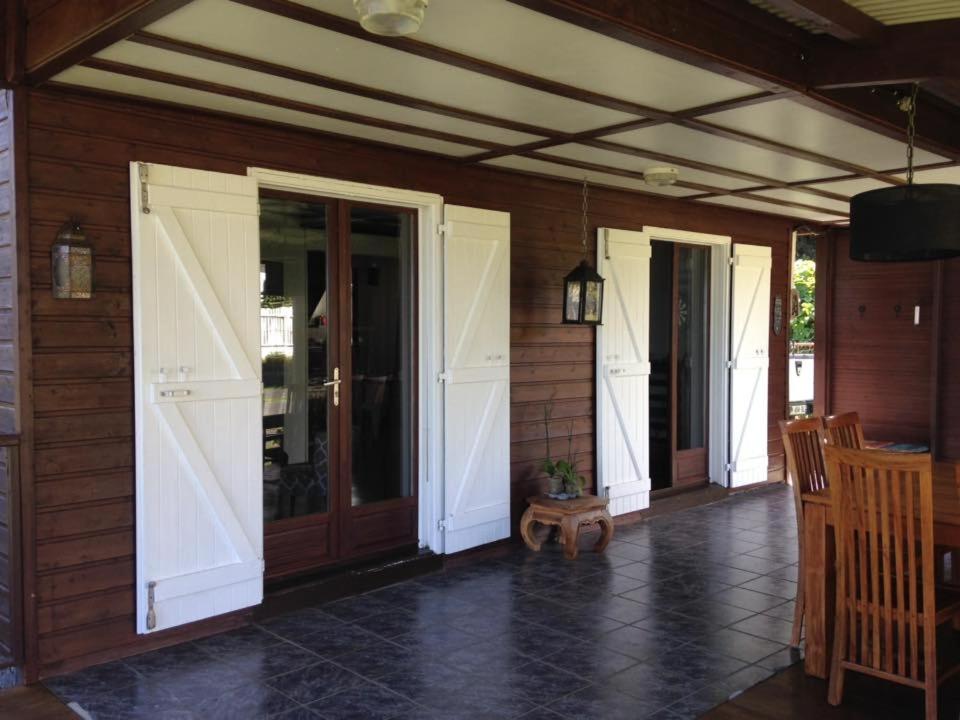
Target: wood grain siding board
[
  {"x": 949, "y": 389},
  {"x": 879, "y": 362},
  {"x": 82, "y": 361}
]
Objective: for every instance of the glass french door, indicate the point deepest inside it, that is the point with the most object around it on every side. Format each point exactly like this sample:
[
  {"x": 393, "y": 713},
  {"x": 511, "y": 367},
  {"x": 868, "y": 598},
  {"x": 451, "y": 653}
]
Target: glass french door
[
  {"x": 679, "y": 362},
  {"x": 338, "y": 337}
]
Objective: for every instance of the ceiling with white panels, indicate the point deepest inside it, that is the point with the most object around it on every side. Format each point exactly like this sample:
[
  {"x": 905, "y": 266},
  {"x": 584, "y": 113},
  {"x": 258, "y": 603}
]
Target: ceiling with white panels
[{"x": 525, "y": 92}]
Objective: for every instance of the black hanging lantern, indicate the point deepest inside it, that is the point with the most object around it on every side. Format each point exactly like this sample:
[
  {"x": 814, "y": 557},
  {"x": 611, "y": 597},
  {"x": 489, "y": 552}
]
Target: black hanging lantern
[
  {"x": 583, "y": 286},
  {"x": 906, "y": 223}
]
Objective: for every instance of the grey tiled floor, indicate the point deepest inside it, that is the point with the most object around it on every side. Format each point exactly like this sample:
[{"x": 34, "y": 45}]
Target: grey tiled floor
[{"x": 680, "y": 613}]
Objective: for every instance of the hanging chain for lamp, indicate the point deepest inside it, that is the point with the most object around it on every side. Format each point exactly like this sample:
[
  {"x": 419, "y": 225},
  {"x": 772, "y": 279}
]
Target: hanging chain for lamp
[
  {"x": 583, "y": 232},
  {"x": 909, "y": 106}
]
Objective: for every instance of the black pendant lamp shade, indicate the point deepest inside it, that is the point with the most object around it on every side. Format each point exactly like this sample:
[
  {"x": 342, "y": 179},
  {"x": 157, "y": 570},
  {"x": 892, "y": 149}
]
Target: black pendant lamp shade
[
  {"x": 583, "y": 295},
  {"x": 906, "y": 223}
]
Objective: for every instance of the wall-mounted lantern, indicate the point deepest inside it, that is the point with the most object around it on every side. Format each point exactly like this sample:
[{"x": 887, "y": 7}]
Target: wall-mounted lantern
[
  {"x": 583, "y": 286},
  {"x": 72, "y": 264}
]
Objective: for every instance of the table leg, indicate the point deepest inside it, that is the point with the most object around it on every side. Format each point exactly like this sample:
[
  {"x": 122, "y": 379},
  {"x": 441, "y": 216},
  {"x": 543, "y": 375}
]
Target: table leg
[
  {"x": 818, "y": 547},
  {"x": 526, "y": 530},
  {"x": 570, "y": 530},
  {"x": 606, "y": 531}
]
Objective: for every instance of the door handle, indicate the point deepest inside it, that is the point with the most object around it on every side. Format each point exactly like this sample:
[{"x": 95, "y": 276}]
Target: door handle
[{"x": 335, "y": 384}]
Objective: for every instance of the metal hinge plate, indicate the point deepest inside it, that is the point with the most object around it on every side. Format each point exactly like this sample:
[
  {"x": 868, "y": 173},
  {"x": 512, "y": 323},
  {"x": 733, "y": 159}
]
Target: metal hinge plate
[
  {"x": 151, "y": 612},
  {"x": 144, "y": 172},
  {"x": 444, "y": 377},
  {"x": 442, "y": 525},
  {"x": 445, "y": 228}
]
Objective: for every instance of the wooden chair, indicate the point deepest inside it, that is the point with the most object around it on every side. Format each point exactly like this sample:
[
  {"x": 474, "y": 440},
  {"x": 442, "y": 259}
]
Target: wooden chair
[
  {"x": 888, "y": 608},
  {"x": 802, "y": 443},
  {"x": 844, "y": 430}
]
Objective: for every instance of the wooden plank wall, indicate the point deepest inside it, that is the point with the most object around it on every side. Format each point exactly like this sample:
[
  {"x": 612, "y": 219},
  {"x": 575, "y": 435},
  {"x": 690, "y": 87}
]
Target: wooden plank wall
[
  {"x": 8, "y": 418},
  {"x": 80, "y": 146},
  {"x": 949, "y": 390},
  {"x": 880, "y": 362}
]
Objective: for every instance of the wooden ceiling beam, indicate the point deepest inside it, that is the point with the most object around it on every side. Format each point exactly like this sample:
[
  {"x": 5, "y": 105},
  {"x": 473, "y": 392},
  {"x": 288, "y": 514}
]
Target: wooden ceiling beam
[
  {"x": 281, "y": 102},
  {"x": 914, "y": 52},
  {"x": 834, "y": 17},
  {"x": 727, "y": 38},
  {"x": 245, "y": 62},
  {"x": 351, "y": 28},
  {"x": 67, "y": 32}
]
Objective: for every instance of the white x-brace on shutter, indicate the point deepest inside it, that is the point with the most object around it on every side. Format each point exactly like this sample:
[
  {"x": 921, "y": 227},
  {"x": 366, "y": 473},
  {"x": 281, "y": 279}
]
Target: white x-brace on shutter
[
  {"x": 623, "y": 370},
  {"x": 199, "y": 492},
  {"x": 749, "y": 366},
  {"x": 476, "y": 376}
]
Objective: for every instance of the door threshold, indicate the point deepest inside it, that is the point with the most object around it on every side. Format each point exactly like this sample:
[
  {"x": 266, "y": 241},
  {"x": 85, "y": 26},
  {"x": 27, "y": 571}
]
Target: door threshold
[{"x": 343, "y": 581}]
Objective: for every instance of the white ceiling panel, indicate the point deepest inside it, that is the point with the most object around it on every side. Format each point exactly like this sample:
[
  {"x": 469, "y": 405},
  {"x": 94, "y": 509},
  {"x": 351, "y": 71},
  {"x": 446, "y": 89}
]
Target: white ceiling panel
[
  {"x": 791, "y": 123},
  {"x": 88, "y": 77},
  {"x": 565, "y": 172},
  {"x": 638, "y": 164},
  {"x": 949, "y": 175},
  {"x": 172, "y": 62},
  {"x": 759, "y": 206},
  {"x": 850, "y": 187},
  {"x": 679, "y": 141},
  {"x": 507, "y": 34},
  {"x": 804, "y": 198},
  {"x": 236, "y": 28}
]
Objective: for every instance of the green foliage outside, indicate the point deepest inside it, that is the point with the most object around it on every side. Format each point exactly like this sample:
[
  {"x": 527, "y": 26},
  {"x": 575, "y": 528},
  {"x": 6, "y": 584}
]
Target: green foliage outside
[{"x": 804, "y": 281}]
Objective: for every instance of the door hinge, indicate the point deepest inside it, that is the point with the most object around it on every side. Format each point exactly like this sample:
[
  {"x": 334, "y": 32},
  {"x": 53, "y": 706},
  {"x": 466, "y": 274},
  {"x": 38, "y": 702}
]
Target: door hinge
[
  {"x": 151, "y": 612},
  {"x": 442, "y": 525},
  {"x": 730, "y": 364},
  {"x": 445, "y": 228},
  {"x": 143, "y": 170},
  {"x": 444, "y": 377}
]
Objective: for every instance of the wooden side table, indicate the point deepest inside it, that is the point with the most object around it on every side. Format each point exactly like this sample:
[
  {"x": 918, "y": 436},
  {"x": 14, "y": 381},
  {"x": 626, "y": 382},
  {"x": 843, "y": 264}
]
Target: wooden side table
[{"x": 569, "y": 516}]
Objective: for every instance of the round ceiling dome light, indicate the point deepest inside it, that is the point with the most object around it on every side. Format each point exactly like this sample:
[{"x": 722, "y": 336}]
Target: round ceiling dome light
[
  {"x": 661, "y": 176},
  {"x": 392, "y": 18}
]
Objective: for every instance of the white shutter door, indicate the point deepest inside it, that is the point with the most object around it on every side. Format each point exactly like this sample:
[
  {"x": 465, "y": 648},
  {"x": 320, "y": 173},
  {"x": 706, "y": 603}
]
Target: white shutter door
[
  {"x": 623, "y": 370},
  {"x": 476, "y": 402},
  {"x": 749, "y": 367},
  {"x": 196, "y": 294}
]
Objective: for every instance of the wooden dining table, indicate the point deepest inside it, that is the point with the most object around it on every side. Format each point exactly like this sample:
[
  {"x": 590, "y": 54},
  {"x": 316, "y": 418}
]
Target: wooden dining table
[{"x": 820, "y": 553}]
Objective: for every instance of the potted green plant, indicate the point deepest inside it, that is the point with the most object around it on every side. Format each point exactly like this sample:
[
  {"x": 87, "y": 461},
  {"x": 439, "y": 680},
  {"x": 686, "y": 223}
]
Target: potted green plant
[{"x": 565, "y": 483}]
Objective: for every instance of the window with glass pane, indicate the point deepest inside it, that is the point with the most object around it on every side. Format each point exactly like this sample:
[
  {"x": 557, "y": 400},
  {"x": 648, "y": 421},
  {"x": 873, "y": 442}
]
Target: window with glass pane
[
  {"x": 693, "y": 279},
  {"x": 294, "y": 325},
  {"x": 382, "y": 353}
]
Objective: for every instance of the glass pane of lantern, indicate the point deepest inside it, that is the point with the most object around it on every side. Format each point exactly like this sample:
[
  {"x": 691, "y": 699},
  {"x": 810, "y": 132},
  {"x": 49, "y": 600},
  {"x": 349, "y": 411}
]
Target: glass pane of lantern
[
  {"x": 591, "y": 311},
  {"x": 572, "y": 304}
]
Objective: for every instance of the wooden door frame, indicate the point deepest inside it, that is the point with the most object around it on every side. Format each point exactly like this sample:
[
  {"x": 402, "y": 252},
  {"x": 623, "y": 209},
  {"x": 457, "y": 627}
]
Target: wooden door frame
[
  {"x": 718, "y": 436},
  {"x": 429, "y": 321}
]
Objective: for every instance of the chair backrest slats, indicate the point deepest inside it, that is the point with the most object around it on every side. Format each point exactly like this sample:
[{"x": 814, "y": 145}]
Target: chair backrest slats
[
  {"x": 844, "y": 430},
  {"x": 801, "y": 444},
  {"x": 883, "y": 516}
]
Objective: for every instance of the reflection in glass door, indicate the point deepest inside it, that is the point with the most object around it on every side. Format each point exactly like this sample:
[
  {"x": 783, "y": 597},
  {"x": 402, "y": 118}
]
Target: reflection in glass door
[{"x": 338, "y": 353}]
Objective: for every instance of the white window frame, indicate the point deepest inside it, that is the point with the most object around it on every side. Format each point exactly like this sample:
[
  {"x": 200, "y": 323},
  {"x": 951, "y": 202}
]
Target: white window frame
[
  {"x": 719, "y": 415},
  {"x": 429, "y": 208}
]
